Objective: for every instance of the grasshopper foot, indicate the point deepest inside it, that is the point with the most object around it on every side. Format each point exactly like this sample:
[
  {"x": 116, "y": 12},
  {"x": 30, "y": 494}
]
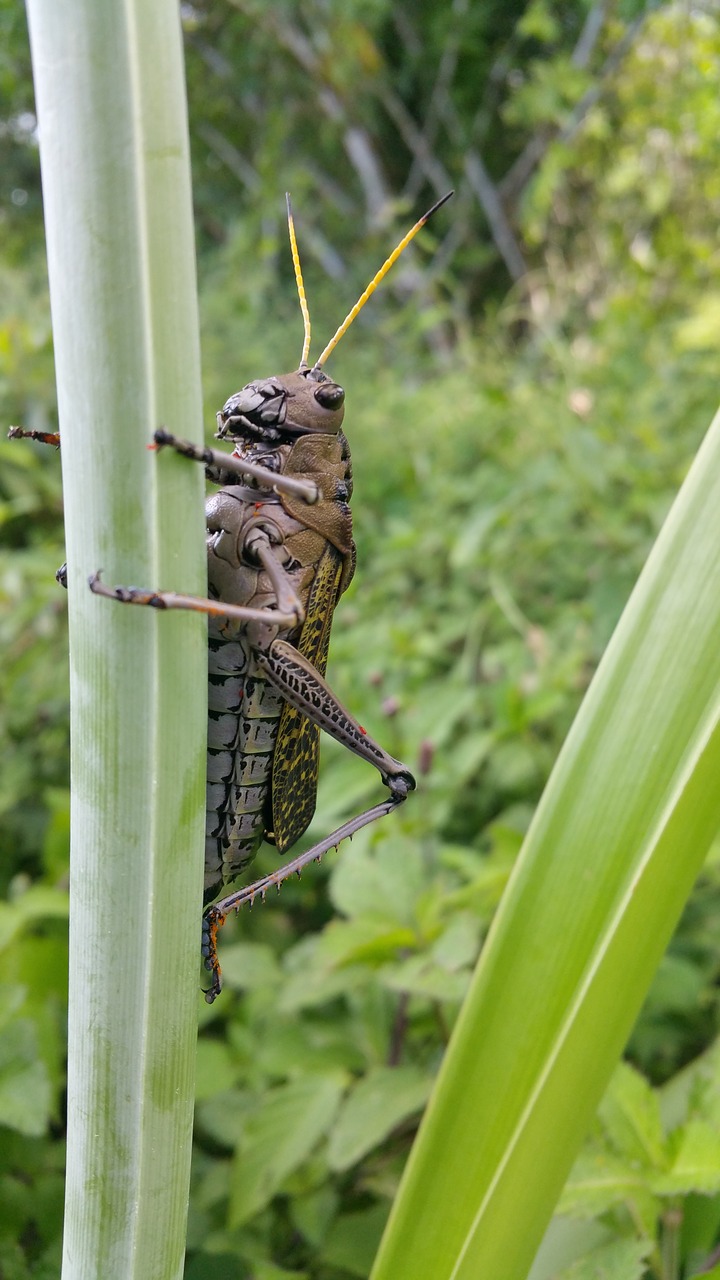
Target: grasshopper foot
[{"x": 212, "y": 921}]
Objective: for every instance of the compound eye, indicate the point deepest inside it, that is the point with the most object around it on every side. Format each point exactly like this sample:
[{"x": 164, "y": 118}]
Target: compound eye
[{"x": 329, "y": 395}]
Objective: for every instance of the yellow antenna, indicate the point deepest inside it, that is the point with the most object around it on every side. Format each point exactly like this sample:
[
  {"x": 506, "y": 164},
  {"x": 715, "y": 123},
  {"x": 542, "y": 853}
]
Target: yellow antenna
[
  {"x": 377, "y": 278},
  {"x": 299, "y": 282}
]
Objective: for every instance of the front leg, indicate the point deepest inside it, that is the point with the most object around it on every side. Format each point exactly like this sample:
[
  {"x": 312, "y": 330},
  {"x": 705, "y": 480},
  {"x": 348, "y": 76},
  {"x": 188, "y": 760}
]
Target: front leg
[
  {"x": 197, "y": 604},
  {"x": 216, "y": 462},
  {"x": 44, "y": 437}
]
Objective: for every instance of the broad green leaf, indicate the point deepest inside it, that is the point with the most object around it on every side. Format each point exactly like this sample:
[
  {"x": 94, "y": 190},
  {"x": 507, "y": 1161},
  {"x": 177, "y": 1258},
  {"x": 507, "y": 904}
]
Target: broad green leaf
[
  {"x": 353, "y": 1240},
  {"x": 630, "y": 1116},
  {"x": 701, "y": 1222},
  {"x": 223, "y": 1117},
  {"x": 287, "y": 1125},
  {"x": 599, "y": 1182},
  {"x": 317, "y": 984},
  {"x": 250, "y": 966},
  {"x": 364, "y": 939},
  {"x": 694, "y": 1091},
  {"x": 25, "y": 1095},
  {"x": 313, "y": 1213},
  {"x": 458, "y": 944},
  {"x": 418, "y": 976},
  {"x": 37, "y": 904},
  {"x": 215, "y": 1070},
  {"x": 619, "y": 1260},
  {"x": 292, "y": 1048},
  {"x": 696, "y": 1166},
  {"x": 372, "y": 1109},
  {"x": 381, "y": 881},
  {"x": 566, "y": 1240},
  {"x": 621, "y": 832}
]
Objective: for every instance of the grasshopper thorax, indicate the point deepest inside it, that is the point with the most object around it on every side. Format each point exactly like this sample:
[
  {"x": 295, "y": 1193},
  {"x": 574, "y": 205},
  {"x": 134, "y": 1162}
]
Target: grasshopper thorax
[{"x": 283, "y": 407}]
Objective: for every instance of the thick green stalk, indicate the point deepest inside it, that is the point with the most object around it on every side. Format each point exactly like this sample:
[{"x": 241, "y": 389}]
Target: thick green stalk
[
  {"x": 610, "y": 859},
  {"x": 116, "y": 183}
]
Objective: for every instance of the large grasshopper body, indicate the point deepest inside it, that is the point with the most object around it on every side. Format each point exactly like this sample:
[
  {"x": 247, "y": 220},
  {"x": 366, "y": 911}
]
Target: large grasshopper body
[
  {"x": 280, "y": 554},
  {"x": 272, "y": 550}
]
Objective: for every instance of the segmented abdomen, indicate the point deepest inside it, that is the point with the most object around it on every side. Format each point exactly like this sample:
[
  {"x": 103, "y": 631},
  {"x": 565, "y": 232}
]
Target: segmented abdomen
[{"x": 243, "y": 709}]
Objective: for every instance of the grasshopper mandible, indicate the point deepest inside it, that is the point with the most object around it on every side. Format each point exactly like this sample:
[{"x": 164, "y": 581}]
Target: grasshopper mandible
[{"x": 280, "y": 555}]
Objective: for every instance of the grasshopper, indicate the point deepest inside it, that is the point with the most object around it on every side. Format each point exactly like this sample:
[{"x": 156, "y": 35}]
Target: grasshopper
[{"x": 280, "y": 555}]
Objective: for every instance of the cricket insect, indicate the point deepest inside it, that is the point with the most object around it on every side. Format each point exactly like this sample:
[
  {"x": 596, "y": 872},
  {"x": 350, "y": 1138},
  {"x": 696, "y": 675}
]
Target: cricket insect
[{"x": 280, "y": 555}]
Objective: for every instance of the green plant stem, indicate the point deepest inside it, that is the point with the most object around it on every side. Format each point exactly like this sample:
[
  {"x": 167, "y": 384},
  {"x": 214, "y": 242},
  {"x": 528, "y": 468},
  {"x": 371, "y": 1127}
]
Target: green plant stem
[
  {"x": 114, "y": 153},
  {"x": 671, "y": 1225}
]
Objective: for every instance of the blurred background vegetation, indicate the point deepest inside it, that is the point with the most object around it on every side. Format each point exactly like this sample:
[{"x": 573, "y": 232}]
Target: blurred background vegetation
[{"x": 523, "y": 400}]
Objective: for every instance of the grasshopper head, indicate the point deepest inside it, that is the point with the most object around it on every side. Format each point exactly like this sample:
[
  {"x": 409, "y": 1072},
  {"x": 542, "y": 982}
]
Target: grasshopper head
[
  {"x": 283, "y": 407},
  {"x": 305, "y": 402}
]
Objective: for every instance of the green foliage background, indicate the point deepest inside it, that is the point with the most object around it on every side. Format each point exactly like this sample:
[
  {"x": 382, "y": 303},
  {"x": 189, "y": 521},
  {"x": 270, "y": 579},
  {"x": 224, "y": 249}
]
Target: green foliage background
[{"x": 517, "y": 444}]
